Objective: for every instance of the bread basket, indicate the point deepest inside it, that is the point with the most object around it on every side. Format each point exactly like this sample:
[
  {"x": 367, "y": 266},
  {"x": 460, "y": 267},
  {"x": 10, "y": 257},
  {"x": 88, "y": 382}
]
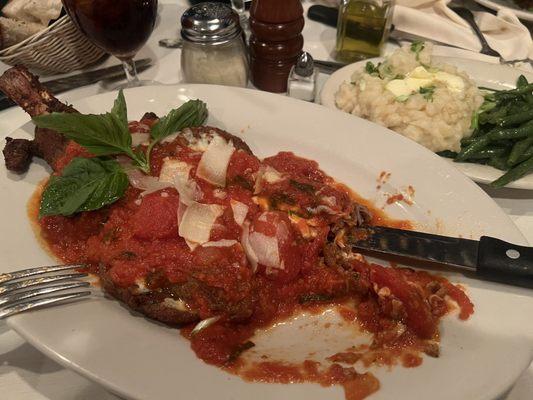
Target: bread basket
[{"x": 59, "y": 48}]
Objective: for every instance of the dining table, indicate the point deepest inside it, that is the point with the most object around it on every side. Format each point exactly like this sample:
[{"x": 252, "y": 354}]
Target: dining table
[{"x": 26, "y": 374}]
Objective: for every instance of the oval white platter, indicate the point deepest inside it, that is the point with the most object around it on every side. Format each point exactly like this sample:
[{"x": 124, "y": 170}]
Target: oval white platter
[
  {"x": 139, "y": 359},
  {"x": 494, "y": 76}
]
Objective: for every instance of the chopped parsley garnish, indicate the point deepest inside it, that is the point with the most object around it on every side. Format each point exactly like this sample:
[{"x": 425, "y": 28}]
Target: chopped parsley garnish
[
  {"x": 87, "y": 184},
  {"x": 427, "y": 92},
  {"x": 371, "y": 69},
  {"x": 417, "y": 47}
]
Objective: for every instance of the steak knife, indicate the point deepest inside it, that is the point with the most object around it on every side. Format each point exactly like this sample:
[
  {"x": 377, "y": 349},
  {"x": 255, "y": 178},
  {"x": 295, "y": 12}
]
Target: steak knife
[
  {"x": 85, "y": 78},
  {"x": 489, "y": 258}
]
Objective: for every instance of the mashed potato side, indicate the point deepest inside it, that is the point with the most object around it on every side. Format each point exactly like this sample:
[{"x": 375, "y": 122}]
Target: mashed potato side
[{"x": 437, "y": 116}]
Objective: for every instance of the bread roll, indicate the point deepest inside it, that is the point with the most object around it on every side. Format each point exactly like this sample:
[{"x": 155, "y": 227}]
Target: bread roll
[{"x": 13, "y": 32}]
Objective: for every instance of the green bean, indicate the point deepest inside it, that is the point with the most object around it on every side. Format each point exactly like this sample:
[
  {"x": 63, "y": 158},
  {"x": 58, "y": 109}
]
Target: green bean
[
  {"x": 509, "y": 94},
  {"x": 515, "y": 173},
  {"x": 521, "y": 81},
  {"x": 499, "y": 162},
  {"x": 519, "y": 148},
  {"x": 516, "y": 119},
  {"x": 490, "y": 153},
  {"x": 495, "y": 135},
  {"x": 489, "y": 89},
  {"x": 447, "y": 153},
  {"x": 527, "y": 154},
  {"x": 475, "y": 146},
  {"x": 512, "y": 133}
]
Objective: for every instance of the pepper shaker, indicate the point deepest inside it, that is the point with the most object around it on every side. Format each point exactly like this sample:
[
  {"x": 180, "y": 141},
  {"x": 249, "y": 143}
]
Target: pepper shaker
[
  {"x": 302, "y": 78},
  {"x": 213, "y": 46},
  {"x": 275, "y": 42}
]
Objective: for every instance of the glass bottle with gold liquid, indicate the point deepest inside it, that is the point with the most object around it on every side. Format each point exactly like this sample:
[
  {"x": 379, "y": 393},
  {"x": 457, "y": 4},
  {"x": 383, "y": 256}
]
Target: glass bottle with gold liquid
[{"x": 362, "y": 28}]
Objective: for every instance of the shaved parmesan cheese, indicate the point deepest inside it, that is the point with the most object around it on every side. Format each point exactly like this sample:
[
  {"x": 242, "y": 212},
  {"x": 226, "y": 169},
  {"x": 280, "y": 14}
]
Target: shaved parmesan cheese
[
  {"x": 200, "y": 142},
  {"x": 147, "y": 183},
  {"x": 245, "y": 241},
  {"x": 181, "y": 210},
  {"x": 214, "y": 162},
  {"x": 192, "y": 245},
  {"x": 171, "y": 168},
  {"x": 219, "y": 194},
  {"x": 221, "y": 243},
  {"x": 266, "y": 174},
  {"x": 271, "y": 175},
  {"x": 177, "y": 172},
  {"x": 240, "y": 210},
  {"x": 189, "y": 191},
  {"x": 179, "y": 305},
  {"x": 266, "y": 249},
  {"x": 198, "y": 220},
  {"x": 138, "y": 138}
]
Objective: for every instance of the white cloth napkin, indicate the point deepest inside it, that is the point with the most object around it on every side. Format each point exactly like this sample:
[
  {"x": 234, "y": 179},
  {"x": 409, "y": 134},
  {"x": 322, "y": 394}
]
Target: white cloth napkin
[{"x": 433, "y": 19}]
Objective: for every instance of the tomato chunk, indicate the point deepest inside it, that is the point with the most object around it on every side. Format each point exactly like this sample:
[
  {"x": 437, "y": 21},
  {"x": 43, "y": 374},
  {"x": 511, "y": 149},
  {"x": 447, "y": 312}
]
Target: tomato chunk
[{"x": 157, "y": 217}]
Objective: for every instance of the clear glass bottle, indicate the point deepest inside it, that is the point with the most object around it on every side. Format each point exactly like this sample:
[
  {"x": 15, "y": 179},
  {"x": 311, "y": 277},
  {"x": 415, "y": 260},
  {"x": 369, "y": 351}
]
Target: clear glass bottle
[
  {"x": 363, "y": 26},
  {"x": 213, "y": 46}
]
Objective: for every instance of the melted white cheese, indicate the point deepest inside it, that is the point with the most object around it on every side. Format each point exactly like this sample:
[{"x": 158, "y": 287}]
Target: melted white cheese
[{"x": 420, "y": 77}]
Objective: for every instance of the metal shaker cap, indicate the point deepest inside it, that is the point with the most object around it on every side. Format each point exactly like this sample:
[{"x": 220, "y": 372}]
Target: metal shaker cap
[
  {"x": 304, "y": 65},
  {"x": 210, "y": 23}
]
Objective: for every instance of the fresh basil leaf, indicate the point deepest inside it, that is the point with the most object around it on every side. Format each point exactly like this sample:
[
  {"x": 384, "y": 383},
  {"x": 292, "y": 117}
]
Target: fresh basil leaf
[
  {"x": 192, "y": 113},
  {"x": 85, "y": 184},
  {"x": 102, "y": 135},
  {"x": 120, "y": 109}
]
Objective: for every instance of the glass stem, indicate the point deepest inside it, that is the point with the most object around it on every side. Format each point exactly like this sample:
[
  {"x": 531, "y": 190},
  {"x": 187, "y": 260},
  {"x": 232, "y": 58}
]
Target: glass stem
[
  {"x": 131, "y": 71},
  {"x": 238, "y": 5}
]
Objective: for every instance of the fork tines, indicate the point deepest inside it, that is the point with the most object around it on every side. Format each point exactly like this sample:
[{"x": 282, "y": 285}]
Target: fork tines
[{"x": 41, "y": 286}]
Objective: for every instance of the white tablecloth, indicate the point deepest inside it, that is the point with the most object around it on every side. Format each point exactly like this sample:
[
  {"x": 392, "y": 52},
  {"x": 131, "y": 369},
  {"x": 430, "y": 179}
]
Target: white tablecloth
[{"x": 25, "y": 374}]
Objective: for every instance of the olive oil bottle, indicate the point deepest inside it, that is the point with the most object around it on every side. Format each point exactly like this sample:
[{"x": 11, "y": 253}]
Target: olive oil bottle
[{"x": 362, "y": 28}]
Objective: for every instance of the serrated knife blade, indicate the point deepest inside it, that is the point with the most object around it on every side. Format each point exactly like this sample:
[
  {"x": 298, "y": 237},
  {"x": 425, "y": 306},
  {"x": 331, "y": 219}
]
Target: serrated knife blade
[{"x": 489, "y": 258}]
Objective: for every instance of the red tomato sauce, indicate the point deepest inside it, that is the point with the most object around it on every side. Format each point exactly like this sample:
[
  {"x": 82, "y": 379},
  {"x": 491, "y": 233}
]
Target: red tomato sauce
[{"x": 137, "y": 238}]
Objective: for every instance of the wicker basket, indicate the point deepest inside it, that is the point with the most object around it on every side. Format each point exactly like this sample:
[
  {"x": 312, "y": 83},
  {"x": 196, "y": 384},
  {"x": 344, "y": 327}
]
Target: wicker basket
[{"x": 57, "y": 49}]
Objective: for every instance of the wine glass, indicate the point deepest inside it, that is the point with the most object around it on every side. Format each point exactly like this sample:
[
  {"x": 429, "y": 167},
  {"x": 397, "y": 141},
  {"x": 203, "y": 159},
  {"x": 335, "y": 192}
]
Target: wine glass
[
  {"x": 120, "y": 27},
  {"x": 240, "y": 7}
]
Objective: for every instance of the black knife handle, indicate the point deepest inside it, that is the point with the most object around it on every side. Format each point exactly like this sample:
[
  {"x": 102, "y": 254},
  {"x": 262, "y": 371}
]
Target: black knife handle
[
  {"x": 5, "y": 102},
  {"x": 504, "y": 262},
  {"x": 323, "y": 14}
]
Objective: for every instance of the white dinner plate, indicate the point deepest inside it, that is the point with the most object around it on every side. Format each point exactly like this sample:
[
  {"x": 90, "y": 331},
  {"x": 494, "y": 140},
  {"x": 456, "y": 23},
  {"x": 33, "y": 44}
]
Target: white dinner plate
[
  {"x": 494, "y": 76},
  {"x": 139, "y": 359},
  {"x": 508, "y": 5}
]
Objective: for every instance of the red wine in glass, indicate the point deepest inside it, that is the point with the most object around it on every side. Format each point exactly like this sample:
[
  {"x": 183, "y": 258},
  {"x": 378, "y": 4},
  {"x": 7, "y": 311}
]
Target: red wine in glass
[{"x": 120, "y": 27}]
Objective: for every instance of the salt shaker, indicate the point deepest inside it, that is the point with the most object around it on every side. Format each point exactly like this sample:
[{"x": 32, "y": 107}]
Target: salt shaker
[
  {"x": 302, "y": 78},
  {"x": 213, "y": 46}
]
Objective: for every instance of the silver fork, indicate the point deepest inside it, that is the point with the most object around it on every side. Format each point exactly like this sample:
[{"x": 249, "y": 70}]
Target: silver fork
[{"x": 38, "y": 287}]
